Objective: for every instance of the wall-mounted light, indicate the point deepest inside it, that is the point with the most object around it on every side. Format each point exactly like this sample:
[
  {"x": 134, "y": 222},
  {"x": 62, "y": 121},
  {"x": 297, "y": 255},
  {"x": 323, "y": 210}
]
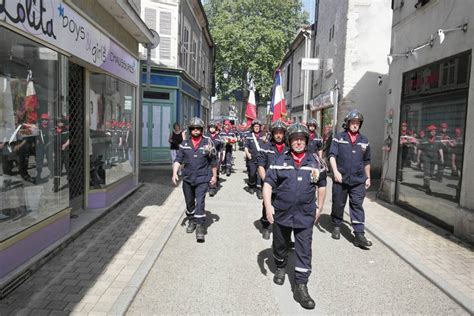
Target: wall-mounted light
[
  {"x": 442, "y": 33},
  {"x": 391, "y": 56}
]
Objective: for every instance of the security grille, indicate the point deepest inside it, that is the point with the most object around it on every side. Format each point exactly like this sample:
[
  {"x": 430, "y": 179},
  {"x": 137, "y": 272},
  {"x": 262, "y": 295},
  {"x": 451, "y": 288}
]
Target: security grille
[{"x": 76, "y": 136}]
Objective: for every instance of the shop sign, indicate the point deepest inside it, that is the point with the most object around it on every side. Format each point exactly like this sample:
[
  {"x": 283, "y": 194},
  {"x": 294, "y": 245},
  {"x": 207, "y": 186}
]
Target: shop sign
[
  {"x": 323, "y": 100},
  {"x": 56, "y": 23}
]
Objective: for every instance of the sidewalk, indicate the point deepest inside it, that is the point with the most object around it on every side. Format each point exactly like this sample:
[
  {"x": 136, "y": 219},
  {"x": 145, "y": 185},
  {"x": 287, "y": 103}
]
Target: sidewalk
[
  {"x": 436, "y": 254},
  {"x": 101, "y": 270}
]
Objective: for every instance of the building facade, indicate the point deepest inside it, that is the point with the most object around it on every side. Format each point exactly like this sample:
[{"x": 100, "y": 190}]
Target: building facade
[
  {"x": 429, "y": 106},
  {"x": 180, "y": 83},
  {"x": 353, "y": 68},
  {"x": 69, "y": 76}
]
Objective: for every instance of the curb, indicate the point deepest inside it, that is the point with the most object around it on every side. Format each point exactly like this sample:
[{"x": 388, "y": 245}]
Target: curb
[{"x": 460, "y": 298}]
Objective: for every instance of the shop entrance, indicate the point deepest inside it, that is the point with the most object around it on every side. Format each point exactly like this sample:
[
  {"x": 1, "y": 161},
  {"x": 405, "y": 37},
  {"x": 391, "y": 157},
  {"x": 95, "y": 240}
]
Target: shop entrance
[{"x": 156, "y": 125}]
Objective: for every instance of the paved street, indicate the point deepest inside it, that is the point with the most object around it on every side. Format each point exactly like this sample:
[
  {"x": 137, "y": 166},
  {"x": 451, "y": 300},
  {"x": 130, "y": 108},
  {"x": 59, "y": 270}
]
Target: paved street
[
  {"x": 232, "y": 271},
  {"x": 137, "y": 259}
]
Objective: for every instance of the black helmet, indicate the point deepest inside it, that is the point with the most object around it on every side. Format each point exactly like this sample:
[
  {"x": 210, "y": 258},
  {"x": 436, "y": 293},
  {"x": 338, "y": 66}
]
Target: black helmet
[
  {"x": 212, "y": 124},
  {"x": 312, "y": 121},
  {"x": 195, "y": 122},
  {"x": 256, "y": 122},
  {"x": 278, "y": 125},
  {"x": 297, "y": 129},
  {"x": 354, "y": 114}
]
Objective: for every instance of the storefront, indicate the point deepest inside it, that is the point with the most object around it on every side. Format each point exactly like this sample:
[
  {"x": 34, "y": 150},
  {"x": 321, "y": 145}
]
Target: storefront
[
  {"x": 432, "y": 132},
  {"x": 322, "y": 108},
  {"x": 169, "y": 97},
  {"x": 67, "y": 125}
]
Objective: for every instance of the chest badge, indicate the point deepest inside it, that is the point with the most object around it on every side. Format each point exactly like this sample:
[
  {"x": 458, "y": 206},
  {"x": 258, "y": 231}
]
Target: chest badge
[
  {"x": 364, "y": 146},
  {"x": 353, "y": 151},
  {"x": 300, "y": 178}
]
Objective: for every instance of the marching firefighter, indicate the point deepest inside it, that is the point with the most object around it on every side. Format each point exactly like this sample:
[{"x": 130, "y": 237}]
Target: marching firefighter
[
  {"x": 229, "y": 137},
  {"x": 445, "y": 141},
  {"x": 268, "y": 153},
  {"x": 198, "y": 157},
  {"x": 289, "y": 194},
  {"x": 252, "y": 147},
  {"x": 350, "y": 161},
  {"x": 432, "y": 153},
  {"x": 213, "y": 134},
  {"x": 315, "y": 141}
]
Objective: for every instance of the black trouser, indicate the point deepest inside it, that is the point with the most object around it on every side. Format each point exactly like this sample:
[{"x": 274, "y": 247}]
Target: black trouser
[
  {"x": 303, "y": 250},
  {"x": 194, "y": 195},
  {"x": 356, "y": 194},
  {"x": 252, "y": 168},
  {"x": 41, "y": 152}
]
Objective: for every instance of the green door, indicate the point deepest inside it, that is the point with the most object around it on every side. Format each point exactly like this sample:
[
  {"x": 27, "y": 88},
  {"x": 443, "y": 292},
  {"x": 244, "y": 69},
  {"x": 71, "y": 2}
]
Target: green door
[{"x": 156, "y": 125}]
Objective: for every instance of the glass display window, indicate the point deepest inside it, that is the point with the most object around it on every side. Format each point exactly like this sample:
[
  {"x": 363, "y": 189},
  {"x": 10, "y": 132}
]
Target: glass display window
[
  {"x": 33, "y": 178},
  {"x": 111, "y": 117}
]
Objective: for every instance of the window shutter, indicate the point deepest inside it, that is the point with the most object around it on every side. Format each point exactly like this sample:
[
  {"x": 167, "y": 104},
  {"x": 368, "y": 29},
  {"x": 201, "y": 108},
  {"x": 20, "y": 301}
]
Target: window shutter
[
  {"x": 165, "y": 34},
  {"x": 150, "y": 21}
]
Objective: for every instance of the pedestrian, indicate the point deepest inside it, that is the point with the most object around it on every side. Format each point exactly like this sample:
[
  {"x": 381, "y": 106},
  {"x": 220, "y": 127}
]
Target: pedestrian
[
  {"x": 252, "y": 147},
  {"x": 445, "y": 140},
  {"x": 229, "y": 137},
  {"x": 289, "y": 195},
  {"x": 268, "y": 153},
  {"x": 175, "y": 139},
  {"x": 213, "y": 134},
  {"x": 349, "y": 157},
  {"x": 315, "y": 141},
  {"x": 198, "y": 156}
]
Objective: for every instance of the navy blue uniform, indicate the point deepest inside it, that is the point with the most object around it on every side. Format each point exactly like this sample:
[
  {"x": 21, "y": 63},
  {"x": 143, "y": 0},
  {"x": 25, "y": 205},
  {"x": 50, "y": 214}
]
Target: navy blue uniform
[
  {"x": 294, "y": 201},
  {"x": 253, "y": 143},
  {"x": 197, "y": 172},
  {"x": 268, "y": 153},
  {"x": 228, "y": 148},
  {"x": 315, "y": 143},
  {"x": 351, "y": 159}
]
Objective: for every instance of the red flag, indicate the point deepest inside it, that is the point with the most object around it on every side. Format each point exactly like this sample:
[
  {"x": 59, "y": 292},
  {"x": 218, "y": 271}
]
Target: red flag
[
  {"x": 251, "y": 109},
  {"x": 278, "y": 99}
]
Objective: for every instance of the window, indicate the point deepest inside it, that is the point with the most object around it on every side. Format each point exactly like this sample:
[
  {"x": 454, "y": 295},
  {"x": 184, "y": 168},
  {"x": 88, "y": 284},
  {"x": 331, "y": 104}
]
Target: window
[
  {"x": 184, "y": 48},
  {"x": 193, "y": 65},
  {"x": 150, "y": 21},
  {"x": 111, "y": 129},
  {"x": 33, "y": 128},
  {"x": 288, "y": 77},
  {"x": 165, "y": 35}
]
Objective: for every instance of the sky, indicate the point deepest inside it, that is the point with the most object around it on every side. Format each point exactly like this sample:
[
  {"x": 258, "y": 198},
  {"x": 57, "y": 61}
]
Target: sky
[{"x": 308, "y": 5}]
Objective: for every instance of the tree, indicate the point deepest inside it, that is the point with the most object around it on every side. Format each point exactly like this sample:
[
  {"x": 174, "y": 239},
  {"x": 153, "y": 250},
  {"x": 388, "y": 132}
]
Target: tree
[{"x": 251, "y": 38}]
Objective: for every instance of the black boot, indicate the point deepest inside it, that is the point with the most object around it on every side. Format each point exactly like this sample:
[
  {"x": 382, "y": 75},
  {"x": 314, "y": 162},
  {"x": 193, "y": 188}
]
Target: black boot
[
  {"x": 266, "y": 233},
  {"x": 259, "y": 194},
  {"x": 251, "y": 190},
  {"x": 279, "y": 277},
  {"x": 200, "y": 232},
  {"x": 361, "y": 241},
  {"x": 301, "y": 295},
  {"x": 336, "y": 232},
  {"x": 212, "y": 191},
  {"x": 191, "y": 227}
]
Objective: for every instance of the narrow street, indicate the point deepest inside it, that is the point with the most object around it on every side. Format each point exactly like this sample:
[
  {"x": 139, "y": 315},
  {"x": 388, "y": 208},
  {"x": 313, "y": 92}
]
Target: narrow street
[
  {"x": 232, "y": 271},
  {"x": 137, "y": 259}
]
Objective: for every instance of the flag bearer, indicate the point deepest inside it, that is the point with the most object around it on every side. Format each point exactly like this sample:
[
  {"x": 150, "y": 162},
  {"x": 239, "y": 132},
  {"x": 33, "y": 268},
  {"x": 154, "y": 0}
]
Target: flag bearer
[
  {"x": 198, "y": 156},
  {"x": 289, "y": 194},
  {"x": 349, "y": 157}
]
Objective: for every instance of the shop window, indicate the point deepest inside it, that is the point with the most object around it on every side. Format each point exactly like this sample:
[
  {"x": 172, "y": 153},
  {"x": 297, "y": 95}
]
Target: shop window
[
  {"x": 33, "y": 135},
  {"x": 448, "y": 72},
  {"x": 430, "y": 155},
  {"x": 112, "y": 108}
]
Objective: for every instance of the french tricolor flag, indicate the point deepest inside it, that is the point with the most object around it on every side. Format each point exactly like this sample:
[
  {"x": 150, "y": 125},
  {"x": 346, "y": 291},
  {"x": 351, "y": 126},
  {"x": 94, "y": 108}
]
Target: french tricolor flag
[{"x": 278, "y": 99}]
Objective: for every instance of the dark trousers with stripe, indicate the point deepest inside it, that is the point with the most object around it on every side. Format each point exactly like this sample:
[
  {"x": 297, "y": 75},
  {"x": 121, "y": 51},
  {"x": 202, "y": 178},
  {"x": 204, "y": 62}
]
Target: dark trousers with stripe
[
  {"x": 356, "y": 194},
  {"x": 303, "y": 250},
  {"x": 228, "y": 159},
  {"x": 194, "y": 195}
]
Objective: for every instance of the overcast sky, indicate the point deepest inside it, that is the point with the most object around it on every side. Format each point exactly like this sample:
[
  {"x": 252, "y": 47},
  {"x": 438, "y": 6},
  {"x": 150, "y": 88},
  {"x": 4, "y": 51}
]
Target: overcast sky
[{"x": 309, "y": 6}]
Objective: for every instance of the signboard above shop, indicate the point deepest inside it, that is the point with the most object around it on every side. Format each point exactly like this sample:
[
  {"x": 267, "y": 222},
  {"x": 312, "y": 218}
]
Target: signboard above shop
[{"x": 56, "y": 23}]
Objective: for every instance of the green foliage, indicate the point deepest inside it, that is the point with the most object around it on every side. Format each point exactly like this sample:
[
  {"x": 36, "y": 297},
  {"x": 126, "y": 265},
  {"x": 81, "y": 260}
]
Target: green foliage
[{"x": 251, "y": 38}]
